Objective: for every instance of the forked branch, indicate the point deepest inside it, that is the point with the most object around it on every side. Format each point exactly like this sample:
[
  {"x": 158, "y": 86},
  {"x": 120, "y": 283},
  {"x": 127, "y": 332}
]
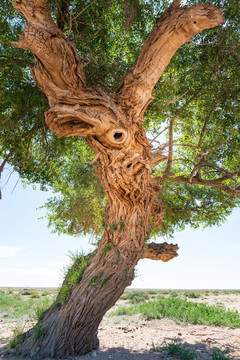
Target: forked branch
[
  {"x": 217, "y": 183},
  {"x": 75, "y": 108},
  {"x": 175, "y": 27}
]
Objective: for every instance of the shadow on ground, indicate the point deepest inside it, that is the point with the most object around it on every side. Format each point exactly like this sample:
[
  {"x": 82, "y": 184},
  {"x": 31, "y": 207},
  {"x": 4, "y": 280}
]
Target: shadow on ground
[{"x": 199, "y": 351}]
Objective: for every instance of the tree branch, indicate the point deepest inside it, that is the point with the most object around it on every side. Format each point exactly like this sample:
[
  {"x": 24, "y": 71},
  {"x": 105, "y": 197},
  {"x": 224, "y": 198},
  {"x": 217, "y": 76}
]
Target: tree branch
[
  {"x": 218, "y": 183},
  {"x": 176, "y": 26},
  {"x": 206, "y": 122},
  {"x": 75, "y": 108},
  {"x": 170, "y": 150},
  {"x": 164, "y": 251},
  {"x": 62, "y": 14}
]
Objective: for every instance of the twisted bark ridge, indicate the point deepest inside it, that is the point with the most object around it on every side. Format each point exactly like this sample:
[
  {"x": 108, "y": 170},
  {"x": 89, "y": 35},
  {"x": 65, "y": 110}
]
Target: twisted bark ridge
[{"x": 112, "y": 127}]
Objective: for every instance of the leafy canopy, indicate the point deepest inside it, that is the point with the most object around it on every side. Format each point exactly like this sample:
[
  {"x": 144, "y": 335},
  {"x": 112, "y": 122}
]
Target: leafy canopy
[{"x": 199, "y": 90}]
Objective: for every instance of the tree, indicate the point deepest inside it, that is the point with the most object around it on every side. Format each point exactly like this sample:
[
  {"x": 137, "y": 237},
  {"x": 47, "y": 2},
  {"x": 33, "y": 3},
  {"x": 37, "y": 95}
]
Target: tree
[{"x": 138, "y": 191}]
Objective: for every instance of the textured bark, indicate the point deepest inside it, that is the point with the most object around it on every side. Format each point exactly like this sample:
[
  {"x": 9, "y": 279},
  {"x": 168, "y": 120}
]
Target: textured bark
[
  {"x": 164, "y": 251},
  {"x": 175, "y": 27},
  {"x": 112, "y": 127},
  {"x": 71, "y": 327}
]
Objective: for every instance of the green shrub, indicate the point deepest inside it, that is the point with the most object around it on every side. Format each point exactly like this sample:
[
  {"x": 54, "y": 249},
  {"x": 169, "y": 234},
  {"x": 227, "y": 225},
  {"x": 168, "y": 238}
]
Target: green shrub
[
  {"x": 35, "y": 295},
  {"x": 26, "y": 292},
  {"x": 152, "y": 292},
  {"x": 138, "y": 299},
  {"x": 17, "y": 334},
  {"x": 39, "y": 332},
  {"x": 39, "y": 312},
  {"x": 183, "y": 311},
  {"x": 123, "y": 310},
  {"x": 193, "y": 295},
  {"x": 173, "y": 294},
  {"x": 131, "y": 294},
  {"x": 181, "y": 351},
  {"x": 16, "y": 306},
  {"x": 219, "y": 354}
]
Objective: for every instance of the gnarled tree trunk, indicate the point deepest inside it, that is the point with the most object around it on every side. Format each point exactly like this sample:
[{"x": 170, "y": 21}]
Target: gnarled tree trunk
[{"x": 112, "y": 127}]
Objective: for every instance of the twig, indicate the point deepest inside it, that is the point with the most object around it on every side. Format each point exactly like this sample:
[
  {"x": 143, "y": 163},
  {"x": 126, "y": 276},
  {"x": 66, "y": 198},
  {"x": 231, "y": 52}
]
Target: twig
[
  {"x": 205, "y": 123},
  {"x": 174, "y": 100},
  {"x": 170, "y": 151}
]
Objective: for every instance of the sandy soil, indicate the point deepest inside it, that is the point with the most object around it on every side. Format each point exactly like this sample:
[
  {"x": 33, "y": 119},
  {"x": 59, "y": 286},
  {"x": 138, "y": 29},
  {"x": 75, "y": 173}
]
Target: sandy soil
[{"x": 132, "y": 338}]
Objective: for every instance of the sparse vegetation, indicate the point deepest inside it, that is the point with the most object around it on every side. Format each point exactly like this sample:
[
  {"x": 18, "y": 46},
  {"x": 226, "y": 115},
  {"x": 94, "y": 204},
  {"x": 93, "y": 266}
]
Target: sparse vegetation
[
  {"x": 182, "y": 311},
  {"x": 174, "y": 348},
  {"x": 17, "y": 333},
  {"x": 39, "y": 312},
  {"x": 135, "y": 296},
  {"x": 185, "y": 352},
  {"x": 39, "y": 332},
  {"x": 17, "y": 304},
  {"x": 21, "y": 305},
  {"x": 219, "y": 354},
  {"x": 35, "y": 295}
]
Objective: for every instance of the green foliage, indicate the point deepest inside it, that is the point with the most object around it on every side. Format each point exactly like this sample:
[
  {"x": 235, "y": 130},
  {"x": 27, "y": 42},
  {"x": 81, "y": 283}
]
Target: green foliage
[
  {"x": 17, "y": 334},
  {"x": 16, "y": 306},
  {"x": 135, "y": 295},
  {"x": 219, "y": 354},
  {"x": 174, "y": 348},
  {"x": 108, "y": 248},
  {"x": 113, "y": 227},
  {"x": 202, "y": 77},
  {"x": 35, "y": 295},
  {"x": 26, "y": 293},
  {"x": 183, "y": 311},
  {"x": 95, "y": 279},
  {"x": 64, "y": 293},
  {"x": 105, "y": 281},
  {"x": 39, "y": 312},
  {"x": 38, "y": 332},
  {"x": 73, "y": 274},
  {"x": 192, "y": 295}
]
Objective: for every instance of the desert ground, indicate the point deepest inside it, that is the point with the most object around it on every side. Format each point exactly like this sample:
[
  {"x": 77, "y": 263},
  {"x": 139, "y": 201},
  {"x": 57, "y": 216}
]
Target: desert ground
[{"x": 133, "y": 337}]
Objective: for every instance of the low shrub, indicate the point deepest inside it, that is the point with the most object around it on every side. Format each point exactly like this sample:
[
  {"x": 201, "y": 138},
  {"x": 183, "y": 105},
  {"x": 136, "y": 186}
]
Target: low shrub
[
  {"x": 219, "y": 354},
  {"x": 193, "y": 295},
  {"x": 17, "y": 334},
  {"x": 35, "y": 295},
  {"x": 183, "y": 311},
  {"x": 174, "y": 348},
  {"x": 26, "y": 293},
  {"x": 16, "y": 306},
  {"x": 131, "y": 294}
]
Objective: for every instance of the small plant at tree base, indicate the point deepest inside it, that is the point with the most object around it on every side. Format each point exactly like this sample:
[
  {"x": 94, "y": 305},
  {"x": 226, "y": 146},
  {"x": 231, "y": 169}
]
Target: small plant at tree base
[
  {"x": 39, "y": 332},
  {"x": 17, "y": 334},
  {"x": 219, "y": 354},
  {"x": 39, "y": 312},
  {"x": 174, "y": 348}
]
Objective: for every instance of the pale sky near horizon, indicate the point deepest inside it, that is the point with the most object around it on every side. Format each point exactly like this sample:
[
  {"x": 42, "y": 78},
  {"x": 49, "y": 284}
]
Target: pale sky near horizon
[{"x": 32, "y": 256}]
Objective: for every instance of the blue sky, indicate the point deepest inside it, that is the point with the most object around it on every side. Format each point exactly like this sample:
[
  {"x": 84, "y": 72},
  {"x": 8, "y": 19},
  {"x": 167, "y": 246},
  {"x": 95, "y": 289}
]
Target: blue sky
[{"x": 30, "y": 255}]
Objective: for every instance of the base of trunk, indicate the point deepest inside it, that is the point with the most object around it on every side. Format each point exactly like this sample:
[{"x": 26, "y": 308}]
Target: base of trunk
[
  {"x": 69, "y": 327},
  {"x": 34, "y": 348}
]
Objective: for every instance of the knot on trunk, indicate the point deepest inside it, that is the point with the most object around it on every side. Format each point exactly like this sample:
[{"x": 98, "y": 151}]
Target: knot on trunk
[{"x": 164, "y": 251}]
